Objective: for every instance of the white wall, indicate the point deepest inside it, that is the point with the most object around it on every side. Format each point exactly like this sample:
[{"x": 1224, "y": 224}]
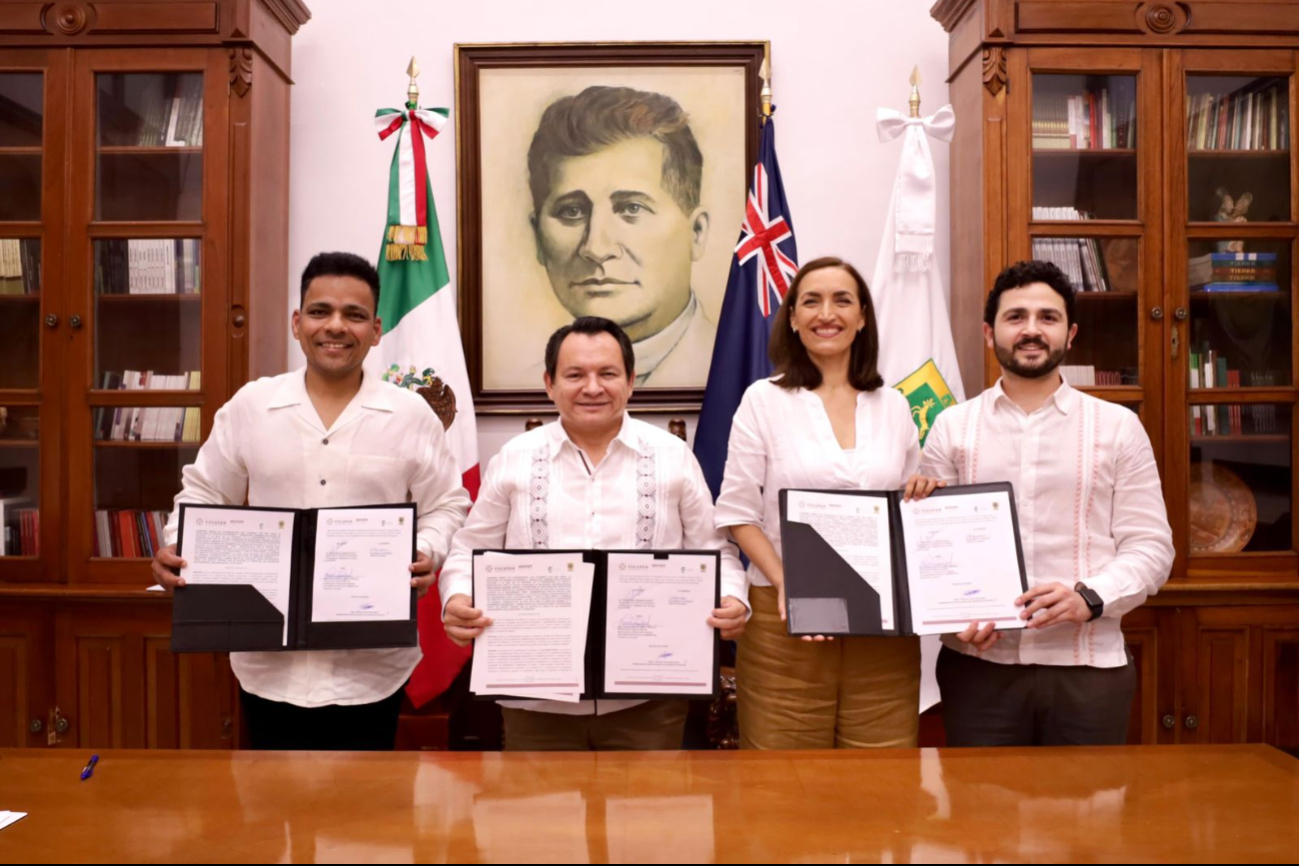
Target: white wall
[{"x": 833, "y": 62}]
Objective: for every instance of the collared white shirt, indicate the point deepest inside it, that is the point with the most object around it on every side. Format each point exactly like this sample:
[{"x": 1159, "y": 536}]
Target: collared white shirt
[
  {"x": 542, "y": 492},
  {"x": 654, "y": 349},
  {"x": 1089, "y": 503},
  {"x": 269, "y": 446},
  {"x": 783, "y": 439}
]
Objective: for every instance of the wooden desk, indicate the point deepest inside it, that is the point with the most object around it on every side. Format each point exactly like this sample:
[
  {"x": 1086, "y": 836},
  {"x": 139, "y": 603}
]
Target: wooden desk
[{"x": 1128, "y": 804}]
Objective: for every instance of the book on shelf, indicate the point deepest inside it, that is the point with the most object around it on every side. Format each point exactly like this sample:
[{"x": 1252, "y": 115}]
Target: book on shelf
[
  {"x": 1087, "y": 376},
  {"x": 20, "y": 522},
  {"x": 164, "y": 110},
  {"x": 1218, "y": 286},
  {"x": 1247, "y": 274},
  {"x": 1208, "y": 369},
  {"x": 1255, "y": 119},
  {"x": 20, "y": 266},
  {"x": 147, "y": 266},
  {"x": 1233, "y": 381},
  {"x": 148, "y": 423},
  {"x": 1197, "y": 416},
  {"x": 1263, "y": 416},
  {"x": 1081, "y": 259},
  {"x": 1225, "y": 272},
  {"x": 129, "y": 532},
  {"x": 1092, "y": 120}
]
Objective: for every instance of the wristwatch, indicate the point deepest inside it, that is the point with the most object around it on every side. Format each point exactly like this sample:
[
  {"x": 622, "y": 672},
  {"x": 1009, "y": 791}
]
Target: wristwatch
[{"x": 1093, "y": 599}]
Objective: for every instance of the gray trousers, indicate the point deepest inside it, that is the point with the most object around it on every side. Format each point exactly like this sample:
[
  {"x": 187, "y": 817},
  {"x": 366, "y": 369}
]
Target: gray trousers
[{"x": 990, "y": 704}]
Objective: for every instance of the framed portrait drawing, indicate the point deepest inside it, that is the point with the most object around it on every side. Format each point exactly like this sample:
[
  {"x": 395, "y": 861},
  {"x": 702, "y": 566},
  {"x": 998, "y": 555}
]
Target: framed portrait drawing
[{"x": 604, "y": 180}]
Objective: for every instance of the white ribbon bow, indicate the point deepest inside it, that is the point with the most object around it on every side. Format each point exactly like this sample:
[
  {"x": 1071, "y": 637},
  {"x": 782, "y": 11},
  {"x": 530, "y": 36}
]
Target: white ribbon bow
[
  {"x": 941, "y": 124},
  {"x": 914, "y": 189}
]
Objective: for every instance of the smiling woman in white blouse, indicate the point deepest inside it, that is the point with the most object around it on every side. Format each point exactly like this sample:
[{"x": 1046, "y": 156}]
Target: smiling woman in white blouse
[{"x": 826, "y": 421}]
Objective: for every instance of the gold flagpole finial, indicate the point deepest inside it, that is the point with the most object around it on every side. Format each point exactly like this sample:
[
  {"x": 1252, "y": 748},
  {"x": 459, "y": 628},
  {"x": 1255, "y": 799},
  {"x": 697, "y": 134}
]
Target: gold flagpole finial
[
  {"x": 765, "y": 94},
  {"x": 914, "y": 101},
  {"x": 412, "y": 92}
]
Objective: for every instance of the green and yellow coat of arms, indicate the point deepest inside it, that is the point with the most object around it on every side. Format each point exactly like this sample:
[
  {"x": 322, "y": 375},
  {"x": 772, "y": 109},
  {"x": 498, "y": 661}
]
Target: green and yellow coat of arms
[{"x": 928, "y": 394}]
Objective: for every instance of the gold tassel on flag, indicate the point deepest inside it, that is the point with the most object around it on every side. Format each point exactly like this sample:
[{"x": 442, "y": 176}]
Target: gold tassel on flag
[{"x": 407, "y": 242}]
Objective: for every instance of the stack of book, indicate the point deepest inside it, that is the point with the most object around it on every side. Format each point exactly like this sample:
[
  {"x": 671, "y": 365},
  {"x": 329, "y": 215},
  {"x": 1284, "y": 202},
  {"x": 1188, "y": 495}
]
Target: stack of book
[
  {"x": 1209, "y": 370},
  {"x": 129, "y": 532},
  {"x": 1233, "y": 272},
  {"x": 1086, "y": 121},
  {"x": 1262, "y": 416},
  {"x": 20, "y": 266},
  {"x": 162, "y": 266},
  {"x": 20, "y": 528},
  {"x": 148, "y": 423},
  {"x": 1258, "y": 120},
  {"x": 1079, "y": 258},
  {"x": 164, "y": 111}
]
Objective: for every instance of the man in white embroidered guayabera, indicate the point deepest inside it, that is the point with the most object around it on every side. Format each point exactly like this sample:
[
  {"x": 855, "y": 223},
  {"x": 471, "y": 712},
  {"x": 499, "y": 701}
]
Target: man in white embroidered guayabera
[
  {"x": 595, "y": 479},
  {"x": 1094, "y": 527}
]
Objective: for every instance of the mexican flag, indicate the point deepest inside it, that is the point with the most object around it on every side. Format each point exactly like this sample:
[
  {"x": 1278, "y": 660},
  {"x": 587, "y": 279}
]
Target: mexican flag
[{"x": 421, "y": 348}]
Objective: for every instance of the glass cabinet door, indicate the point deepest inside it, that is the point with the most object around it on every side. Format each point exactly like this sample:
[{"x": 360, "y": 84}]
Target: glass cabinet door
[
  {"x": 145, "y": 276},
  {"x": 22, "y": 326},
  {"x": 1236, "y": 238},
  {"x": 1084, "y": 169}
]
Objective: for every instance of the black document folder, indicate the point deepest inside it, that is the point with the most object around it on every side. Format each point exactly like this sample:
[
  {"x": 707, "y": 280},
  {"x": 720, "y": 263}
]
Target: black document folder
[
  {"x": 824, "y": 594},
  {"x": 238, "y": 618}
]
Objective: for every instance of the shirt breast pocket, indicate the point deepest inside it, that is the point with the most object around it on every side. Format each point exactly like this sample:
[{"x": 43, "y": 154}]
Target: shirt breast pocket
[{"x": 377, "y": 480}]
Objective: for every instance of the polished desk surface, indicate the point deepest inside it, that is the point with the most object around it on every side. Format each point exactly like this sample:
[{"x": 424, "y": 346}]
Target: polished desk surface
[{"x": 1122, "y": 804}]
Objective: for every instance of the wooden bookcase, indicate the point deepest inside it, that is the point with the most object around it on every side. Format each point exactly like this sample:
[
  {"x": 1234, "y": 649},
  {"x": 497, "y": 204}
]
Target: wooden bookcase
[
  {"x": 144, "y": 152},
  {"x": 1100, "y": 133}
]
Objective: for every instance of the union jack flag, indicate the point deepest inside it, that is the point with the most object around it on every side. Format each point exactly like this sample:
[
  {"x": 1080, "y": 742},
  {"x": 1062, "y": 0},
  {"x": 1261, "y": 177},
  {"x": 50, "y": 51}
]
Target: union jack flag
[
  {"x": 760, "y": 238},
  {"x": 764, "y": 265}
]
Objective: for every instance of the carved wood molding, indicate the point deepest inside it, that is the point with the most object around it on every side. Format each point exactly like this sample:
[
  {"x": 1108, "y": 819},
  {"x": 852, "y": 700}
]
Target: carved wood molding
[
  {"x": 291, "y": 14},
  {"x": 1162, "y": 19},
  {"x": 66, "y": 19},
  {"x": 241, "y": 70},
  {"x": 949, "y": 13},
  {"x": 994, "y": 68}
]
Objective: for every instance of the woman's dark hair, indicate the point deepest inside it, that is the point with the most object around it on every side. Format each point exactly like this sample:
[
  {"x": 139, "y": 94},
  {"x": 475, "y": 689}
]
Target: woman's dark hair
[{"x": 790, "y": 358}]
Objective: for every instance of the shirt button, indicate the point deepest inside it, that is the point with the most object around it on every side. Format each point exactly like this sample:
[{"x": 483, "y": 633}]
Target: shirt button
[
  {"x": 324, "y": 441},
  {"x": 322, "y": 482}
]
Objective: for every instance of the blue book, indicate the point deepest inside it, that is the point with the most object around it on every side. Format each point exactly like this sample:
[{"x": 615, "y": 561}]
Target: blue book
[
  {"x": 1241, "y": 287},
  {"x": 1232, "y": 258}
]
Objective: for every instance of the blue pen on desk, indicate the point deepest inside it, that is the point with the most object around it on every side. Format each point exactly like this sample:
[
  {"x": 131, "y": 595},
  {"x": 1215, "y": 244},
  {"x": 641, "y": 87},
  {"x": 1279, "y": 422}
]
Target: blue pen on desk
[{"x": 90, "y": 767}]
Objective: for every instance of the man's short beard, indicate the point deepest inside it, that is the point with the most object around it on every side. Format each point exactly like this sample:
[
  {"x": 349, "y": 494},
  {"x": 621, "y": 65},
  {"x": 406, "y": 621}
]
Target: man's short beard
[{"x": 1010, "y": 365}]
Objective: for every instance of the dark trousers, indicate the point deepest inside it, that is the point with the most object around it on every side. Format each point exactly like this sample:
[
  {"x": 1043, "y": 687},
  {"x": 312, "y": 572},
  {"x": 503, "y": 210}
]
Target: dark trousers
[
  {"x": 358, "y": 728},
  {"x": 990, "y": 704}
]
